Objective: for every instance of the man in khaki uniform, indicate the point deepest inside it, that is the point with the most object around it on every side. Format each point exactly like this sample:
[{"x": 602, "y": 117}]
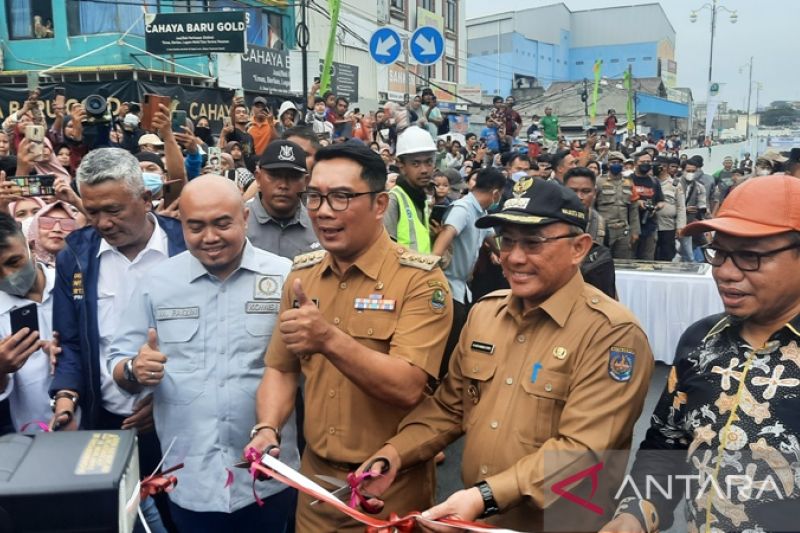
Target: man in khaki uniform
[
  {"x": 549, "y": 368},
  {"x": 366, "y": 322},
  {"x": 616, "y": 202}
]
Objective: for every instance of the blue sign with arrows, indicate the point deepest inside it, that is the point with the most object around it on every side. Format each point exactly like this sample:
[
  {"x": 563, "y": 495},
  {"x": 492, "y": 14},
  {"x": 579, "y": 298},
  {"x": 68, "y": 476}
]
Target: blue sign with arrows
[
  {"x": 426, "y": 45},
  {"x": 385, "y": 46}
]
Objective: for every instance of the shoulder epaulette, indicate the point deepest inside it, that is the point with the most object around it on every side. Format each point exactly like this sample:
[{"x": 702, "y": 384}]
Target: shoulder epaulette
[
  {"x": 500, "y": 293},
  {"x": 307, "y": 260},
  {"x": 417, "y": 260}
]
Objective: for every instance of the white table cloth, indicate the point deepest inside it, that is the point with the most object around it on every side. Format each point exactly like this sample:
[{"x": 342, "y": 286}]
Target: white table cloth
[{"x": 666, "y": 304}]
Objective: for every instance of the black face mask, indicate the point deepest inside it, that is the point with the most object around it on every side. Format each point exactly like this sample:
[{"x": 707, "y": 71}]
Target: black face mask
[{"x": 644, "y": 168}]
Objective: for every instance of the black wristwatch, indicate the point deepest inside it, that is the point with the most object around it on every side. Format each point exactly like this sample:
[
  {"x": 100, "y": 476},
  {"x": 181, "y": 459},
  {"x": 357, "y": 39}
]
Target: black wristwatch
[
  {"x": 489, "y": 504},
  {"x": 127, "y": 371}
]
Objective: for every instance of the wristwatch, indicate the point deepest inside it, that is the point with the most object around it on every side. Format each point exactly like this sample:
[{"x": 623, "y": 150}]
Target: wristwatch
[
  {"x": 489, "y": 504},
  {"x": 64, "y": 394},
  {"x": 259, "y": 427},
  {"x": 127, "y": 371}
]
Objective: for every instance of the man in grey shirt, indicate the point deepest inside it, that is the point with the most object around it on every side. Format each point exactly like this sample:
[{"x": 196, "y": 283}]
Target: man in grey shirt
[
  {"x": 463, "y": 241},
  {"x": 194, "y": 335},
  {"x": 278, "y": 222}
]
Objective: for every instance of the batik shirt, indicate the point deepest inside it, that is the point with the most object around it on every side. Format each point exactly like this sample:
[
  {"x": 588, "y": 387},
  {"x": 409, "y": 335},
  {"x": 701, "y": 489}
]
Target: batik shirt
[{"x": 730, "y": 414}]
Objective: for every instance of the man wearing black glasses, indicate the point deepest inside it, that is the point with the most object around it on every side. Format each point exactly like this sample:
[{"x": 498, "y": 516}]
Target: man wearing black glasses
[
  {"x": 730, "y": 410},
  {"x": 546, "y": 377},
  {"x": 365, "y": 321}
]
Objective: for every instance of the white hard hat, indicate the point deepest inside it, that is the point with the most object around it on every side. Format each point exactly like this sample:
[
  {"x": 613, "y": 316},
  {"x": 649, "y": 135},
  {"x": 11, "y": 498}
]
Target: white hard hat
[{"x": 414, "y": 140}]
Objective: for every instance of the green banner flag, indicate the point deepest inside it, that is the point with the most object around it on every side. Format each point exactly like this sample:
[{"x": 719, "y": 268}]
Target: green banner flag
[
  {"x": 325, "y": 81},
  {"x": 598, "y": 66},
  {"x": 629, "y": 110}
]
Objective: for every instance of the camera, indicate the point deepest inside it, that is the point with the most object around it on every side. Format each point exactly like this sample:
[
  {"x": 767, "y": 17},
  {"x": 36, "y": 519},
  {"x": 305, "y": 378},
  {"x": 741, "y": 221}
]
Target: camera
[
  {"x": 97, "y": 110},
  {"x": 650, "y": 211}
]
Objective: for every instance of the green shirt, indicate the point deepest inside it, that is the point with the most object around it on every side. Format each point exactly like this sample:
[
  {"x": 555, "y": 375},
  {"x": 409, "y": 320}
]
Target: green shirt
[{"x": 550, "y": 127}]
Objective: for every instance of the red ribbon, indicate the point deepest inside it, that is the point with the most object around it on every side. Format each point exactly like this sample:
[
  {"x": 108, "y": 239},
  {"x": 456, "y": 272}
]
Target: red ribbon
[
  {"x": 158, "y": 483},
  {"x": 403, "y": 524},
  {"x": 356, "y": 497},
  {"x": 38, "y": 423},
  {"x": 253, "y": 456}
]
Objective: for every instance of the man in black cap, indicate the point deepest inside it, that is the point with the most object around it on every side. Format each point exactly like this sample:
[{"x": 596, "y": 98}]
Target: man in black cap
[
  {"x": 278, "y": 222},
  {"x": 550, "y": 367}
]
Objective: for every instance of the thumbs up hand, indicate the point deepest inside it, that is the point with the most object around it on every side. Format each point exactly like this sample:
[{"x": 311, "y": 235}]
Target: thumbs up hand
[
  {"x": 304, "y": 330},
  {"x": 150, "y": 364}
]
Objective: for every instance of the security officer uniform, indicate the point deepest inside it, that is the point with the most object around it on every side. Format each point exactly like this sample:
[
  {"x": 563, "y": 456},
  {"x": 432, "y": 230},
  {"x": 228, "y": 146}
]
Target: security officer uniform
[
  {"x": 617, "y": 204},
  {"x": 568, "y": 376},
  {"x": 596, "y": 226},
  {"x": 392, "y": 301}
]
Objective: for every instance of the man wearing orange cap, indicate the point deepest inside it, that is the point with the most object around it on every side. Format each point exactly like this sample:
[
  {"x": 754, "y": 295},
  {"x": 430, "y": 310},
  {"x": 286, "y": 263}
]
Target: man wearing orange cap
[{"x": 726, "y": 429}]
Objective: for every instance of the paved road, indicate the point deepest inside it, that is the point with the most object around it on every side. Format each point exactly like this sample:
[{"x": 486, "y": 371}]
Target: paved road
[{"x": 449, "y": 473}]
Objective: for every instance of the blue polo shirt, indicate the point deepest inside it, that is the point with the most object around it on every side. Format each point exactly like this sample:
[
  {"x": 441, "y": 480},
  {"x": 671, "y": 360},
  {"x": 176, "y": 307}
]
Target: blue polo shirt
[{"x": 466, "y": 246}]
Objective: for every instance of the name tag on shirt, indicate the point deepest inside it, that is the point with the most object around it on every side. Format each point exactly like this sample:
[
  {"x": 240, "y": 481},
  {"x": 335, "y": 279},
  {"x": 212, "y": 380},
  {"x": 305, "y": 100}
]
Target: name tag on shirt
[
  {"x": 173, "y": 313},
  {"x": 484, "y": 347},
  {"x": 262, "y": 308}
]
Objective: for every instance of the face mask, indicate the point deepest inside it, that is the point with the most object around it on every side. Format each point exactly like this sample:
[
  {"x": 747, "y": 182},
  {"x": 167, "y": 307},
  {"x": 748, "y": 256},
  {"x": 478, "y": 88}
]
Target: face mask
[
  {"x": 152, "y": 182},
  {"x": 626, "y": 173},
  {"x": 495, "y": 205},
  {"x": 20, "y": 282},
  {"x": 201, "y": 131},
  {"x": 615, "y": 168},
  {"x": 762, "y": 172},
  {"x": 644, "y": 168},
  {"x": 689, "y": 176}
]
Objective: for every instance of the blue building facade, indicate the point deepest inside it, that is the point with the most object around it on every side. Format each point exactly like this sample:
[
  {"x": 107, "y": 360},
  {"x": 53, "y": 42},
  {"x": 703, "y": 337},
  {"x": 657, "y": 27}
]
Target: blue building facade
[
  {"x": 540, "y": 46},
  {"x": 40, "y": 34}
]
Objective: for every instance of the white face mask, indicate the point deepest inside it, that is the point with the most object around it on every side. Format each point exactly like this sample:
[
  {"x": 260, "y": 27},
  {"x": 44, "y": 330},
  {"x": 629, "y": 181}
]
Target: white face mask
[
  {"x": 626, "y": 173},
  {"x": 689, "y": 176},
  {"x": 763, "y": 172}
]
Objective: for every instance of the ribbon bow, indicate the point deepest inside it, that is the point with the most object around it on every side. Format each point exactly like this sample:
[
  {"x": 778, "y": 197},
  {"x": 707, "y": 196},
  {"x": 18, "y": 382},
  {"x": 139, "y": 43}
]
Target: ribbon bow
[{"x": 356, "y": 496}]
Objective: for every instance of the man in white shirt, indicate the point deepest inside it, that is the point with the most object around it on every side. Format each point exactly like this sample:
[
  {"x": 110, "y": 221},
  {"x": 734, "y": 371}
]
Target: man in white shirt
[
  {"x": 24, "y": 365},
  {"x": 96, "y": 274}
]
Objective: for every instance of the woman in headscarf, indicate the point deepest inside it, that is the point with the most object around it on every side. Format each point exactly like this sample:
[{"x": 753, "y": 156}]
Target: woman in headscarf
[
  {"x": 26, "y": 207},
  {"x": 47, "y": 231}
]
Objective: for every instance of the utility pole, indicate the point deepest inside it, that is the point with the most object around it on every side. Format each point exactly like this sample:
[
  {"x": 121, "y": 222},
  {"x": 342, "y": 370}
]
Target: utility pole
[
  {"x": 585, "y": 99},
  {"x": 749, "y": 94},
  {"x": 301, "y": 35}
]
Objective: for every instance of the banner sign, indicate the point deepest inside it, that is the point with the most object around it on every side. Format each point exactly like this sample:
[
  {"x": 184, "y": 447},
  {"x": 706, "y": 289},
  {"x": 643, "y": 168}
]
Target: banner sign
[
  {"x": 195, "y": 33},
  {"x": 196, "y": 101},
  {"x": 265, "y": 70},
  {"x": 268, "y": 71}
]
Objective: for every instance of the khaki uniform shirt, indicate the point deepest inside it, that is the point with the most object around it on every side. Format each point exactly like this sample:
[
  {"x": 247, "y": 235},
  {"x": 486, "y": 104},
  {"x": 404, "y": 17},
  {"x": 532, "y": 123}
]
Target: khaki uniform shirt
[
  {"x": 524, "y": 385},
  {"x": 343, "y": 423},
  {"x": 615, "y": 203}
]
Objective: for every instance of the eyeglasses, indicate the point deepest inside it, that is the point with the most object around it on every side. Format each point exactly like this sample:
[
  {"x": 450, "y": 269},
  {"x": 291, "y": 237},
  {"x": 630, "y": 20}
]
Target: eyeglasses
[
  {"x": 66, "y": 224},
  {"x": 745, "y": 261},
  {"x": 337, "y": 200},
  {"x": 530, "y": 245}
]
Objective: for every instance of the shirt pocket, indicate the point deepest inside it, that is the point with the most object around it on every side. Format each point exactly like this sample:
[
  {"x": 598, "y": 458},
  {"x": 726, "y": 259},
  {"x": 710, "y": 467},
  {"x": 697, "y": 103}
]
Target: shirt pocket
[
  {"x": 373, "y": 329},
  {"x": 477, "y": 372},
  {"x": 544, "y": 401},
  {"x": 259, "y": 328},
  {"x": 180, "y": 331}
]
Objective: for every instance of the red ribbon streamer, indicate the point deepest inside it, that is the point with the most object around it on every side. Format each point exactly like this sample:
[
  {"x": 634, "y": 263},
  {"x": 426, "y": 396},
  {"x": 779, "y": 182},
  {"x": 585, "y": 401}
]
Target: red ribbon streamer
[
  {"x": 38, "y": 423},
  {"x": 403, "y": 524},
  {"x": 158, "y": 483}
]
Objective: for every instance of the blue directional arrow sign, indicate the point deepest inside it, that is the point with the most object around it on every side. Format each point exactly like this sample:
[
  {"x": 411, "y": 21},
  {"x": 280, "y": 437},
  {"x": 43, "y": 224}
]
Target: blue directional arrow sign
[
  {"x": 385, "y": 46},
  {"x": 426, "y": 45}
]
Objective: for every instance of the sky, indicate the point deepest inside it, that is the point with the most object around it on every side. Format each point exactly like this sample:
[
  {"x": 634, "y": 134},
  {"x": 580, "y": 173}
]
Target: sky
[{"x": 766, "y": 30}]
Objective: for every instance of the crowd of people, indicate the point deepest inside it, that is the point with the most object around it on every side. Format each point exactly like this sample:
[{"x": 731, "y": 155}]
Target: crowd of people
[{"x": 352, "y": 292}]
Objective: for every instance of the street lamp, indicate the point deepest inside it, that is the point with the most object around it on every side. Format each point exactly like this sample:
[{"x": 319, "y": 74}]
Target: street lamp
[{"x": 714, "y": 7}]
